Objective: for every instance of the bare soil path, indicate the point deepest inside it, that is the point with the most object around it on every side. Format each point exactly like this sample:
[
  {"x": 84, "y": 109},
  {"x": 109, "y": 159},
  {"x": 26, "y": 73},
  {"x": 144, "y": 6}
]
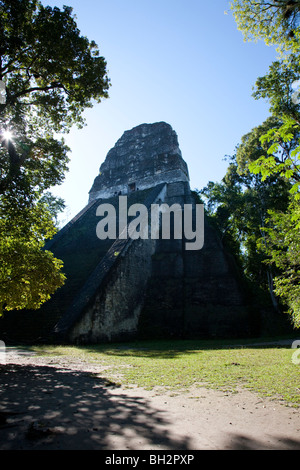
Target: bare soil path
[{"x": 50, "y": 406}]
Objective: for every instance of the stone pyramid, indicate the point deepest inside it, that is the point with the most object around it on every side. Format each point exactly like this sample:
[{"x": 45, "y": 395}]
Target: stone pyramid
[{"x": 119, "y": 289}]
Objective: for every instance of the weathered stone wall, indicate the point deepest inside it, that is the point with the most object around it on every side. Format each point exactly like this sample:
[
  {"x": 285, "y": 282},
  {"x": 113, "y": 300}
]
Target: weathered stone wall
[
  {"x": 160, "y": 289},
  {"x": 115, "y": 312},
  {"x": 193, "y": 293},
  {"x": 139, "y": 183},
  {"x": 142, "y": 158}
]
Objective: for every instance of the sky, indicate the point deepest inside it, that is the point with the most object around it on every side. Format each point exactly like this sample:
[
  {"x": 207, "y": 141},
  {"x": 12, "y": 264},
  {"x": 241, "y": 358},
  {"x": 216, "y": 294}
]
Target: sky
[{"x": 179, "y": 61}]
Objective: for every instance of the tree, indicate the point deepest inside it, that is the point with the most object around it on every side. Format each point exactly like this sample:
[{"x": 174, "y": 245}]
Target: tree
[
  {"x": 277, "y": 22},
  {"x": 281, "y": 234},
  {"x": 282, "y": 245},
  {"x": 238, "y": 207},
  {"x": 274, "y": 21},
  {"x": 278, "y": 159},
  {"x": 281, "y": 142},
  {"x": 49, "y": 74},
  {"x": 279, "y": 87},
  {"x": 29, "y": 274},
  {"x": 47, "y": 64}
]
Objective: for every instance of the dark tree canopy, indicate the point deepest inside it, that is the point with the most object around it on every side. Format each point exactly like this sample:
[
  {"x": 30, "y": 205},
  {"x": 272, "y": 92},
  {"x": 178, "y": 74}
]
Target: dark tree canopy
[
  {"x": 47, "y": 64},
  {"x": 49, "y": 74}
]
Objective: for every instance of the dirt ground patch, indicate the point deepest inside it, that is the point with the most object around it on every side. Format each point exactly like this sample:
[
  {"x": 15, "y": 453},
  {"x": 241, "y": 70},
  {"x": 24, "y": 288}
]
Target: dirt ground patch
[{"x": 66, "y": 405}]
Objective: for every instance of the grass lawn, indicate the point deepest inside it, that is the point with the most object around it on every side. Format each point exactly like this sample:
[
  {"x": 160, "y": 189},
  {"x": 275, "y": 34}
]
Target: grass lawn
[{"x": 177, "y": 365}]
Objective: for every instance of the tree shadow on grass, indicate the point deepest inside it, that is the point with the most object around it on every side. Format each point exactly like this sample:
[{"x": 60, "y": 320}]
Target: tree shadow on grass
[
  {"x": 49, "y": 408},
  {"x": 46, "y": 408},
  {"x": 168, "y": 349}
]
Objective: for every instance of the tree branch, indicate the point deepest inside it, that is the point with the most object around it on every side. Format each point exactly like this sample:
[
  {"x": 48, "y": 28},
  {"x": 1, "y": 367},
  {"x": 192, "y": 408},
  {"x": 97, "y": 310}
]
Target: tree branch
[
  {"x": 15, "y": 163},
  {"x": 53, "y": 86}
]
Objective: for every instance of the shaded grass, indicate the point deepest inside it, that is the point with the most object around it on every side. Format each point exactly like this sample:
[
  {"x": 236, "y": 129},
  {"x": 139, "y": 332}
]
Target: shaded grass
[{"x": 267, "y": 370}]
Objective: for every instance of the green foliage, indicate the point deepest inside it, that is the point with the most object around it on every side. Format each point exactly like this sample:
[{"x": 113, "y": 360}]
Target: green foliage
[
  {"x": 279, "y": 88},
  {"x": 282, "y": 244},
  {"x": 252, "y": 147},
  {"x": 280, "y": 143},
  {"x": 277, "y": 140},
  {"x": 48, "y": 65},
  {"x": 281, "y": 241},
  {"x": 238, "y": 206},
  {"x": 51, "y": 75},
  {"x": 54, "y": 205},
  {"x": 28, "y": 273},
  {"x": 282, "y": 155},
  {"x": 256, "y": 209},
  {"x": 275, "y": 22}
]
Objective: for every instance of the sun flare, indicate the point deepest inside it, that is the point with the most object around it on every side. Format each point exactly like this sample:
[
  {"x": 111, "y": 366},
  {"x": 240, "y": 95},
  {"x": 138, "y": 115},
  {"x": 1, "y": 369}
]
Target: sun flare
[{"x": 7, "y": 135}]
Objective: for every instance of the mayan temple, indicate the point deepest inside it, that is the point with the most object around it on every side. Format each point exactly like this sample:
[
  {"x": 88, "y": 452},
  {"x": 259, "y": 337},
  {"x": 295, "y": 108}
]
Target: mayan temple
[{"x": 125, "y": 288}]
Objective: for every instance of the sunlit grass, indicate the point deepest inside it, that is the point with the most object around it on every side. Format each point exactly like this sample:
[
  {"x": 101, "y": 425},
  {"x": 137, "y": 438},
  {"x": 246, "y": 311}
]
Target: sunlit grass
[{"x": 269, "y": 371}]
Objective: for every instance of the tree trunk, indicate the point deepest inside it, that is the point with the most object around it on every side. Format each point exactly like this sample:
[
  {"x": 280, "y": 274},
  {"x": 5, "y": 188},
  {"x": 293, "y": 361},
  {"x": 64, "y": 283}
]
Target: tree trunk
[{"x": 271, "y": 290}]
